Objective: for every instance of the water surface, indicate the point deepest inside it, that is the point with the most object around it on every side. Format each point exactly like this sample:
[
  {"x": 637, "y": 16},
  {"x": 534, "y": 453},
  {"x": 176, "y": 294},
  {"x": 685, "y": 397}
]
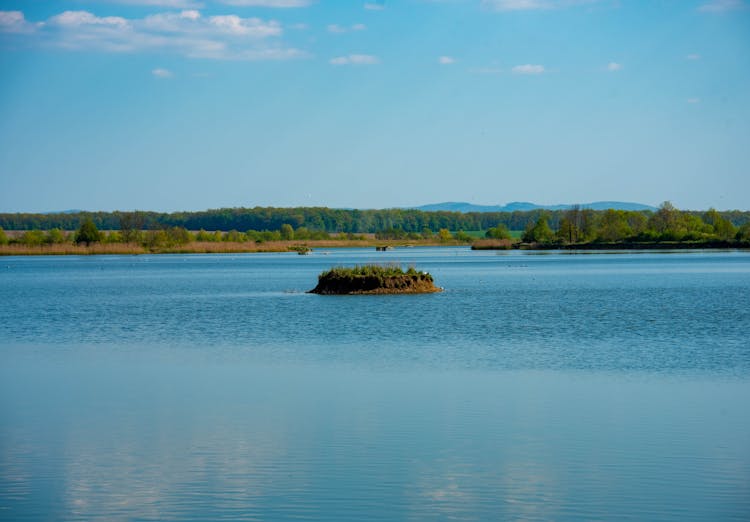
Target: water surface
[{"x": 553, "y": 386}]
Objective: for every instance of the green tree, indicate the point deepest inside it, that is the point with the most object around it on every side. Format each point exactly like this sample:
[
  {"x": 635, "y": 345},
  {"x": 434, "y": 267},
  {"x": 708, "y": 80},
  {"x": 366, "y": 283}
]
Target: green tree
[
  {"x": 743, "y": 234},
  {"x": 131, "y": 224},
  {"x": 665, "y": 220},
  {"x": 55, "y": 235},
  {"x": 178, "y": 236},
  {"x": 234, "y": 236},
  {"x": 287, "y": 232},
  {"x": 444, "y": 234},
  {"x": 567, "y": 232},
  {"x": 613, "y": 226},
  {"x": 3, "y": 237},
  {"x": 571, "y": 224},
  {"x": 539, "y": 232},
  {"x": 87, "y": 233},
  {"x": 113, "y": 236},
  {"x": 300, "y": 233},
  {"x": 637, "y": 222},
  {"x": 202, "y": 235},
  {"x": 32, "y": 237},
  {"x": 498, "y": 232},
  {"x": 722, "y": 228},
  {"x": 154, "y": 239}
]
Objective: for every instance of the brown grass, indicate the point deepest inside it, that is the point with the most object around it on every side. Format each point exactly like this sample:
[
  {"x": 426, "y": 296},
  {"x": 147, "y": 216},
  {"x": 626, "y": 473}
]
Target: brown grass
[
  {"x": 207, "y": 247},
  {"x": 62, "y": 249},
  {"x": 492, "y": 244}
]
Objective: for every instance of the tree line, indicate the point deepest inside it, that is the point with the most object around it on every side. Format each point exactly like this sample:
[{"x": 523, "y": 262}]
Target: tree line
[
  {"x": 575, "y": 226},
  {"x": 578, "y": 226},
  {"x": 322, "y": 219}
]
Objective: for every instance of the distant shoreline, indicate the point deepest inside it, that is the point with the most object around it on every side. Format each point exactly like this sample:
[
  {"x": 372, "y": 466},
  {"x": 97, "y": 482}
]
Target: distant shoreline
[
  {"x": 210, "y": 247},
  {"x": 294, "y": 247}
]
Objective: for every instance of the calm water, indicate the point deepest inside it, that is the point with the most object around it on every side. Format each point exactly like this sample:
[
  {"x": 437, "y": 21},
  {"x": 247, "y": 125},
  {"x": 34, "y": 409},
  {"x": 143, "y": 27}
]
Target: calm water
[{"x": 536, "y": 387}]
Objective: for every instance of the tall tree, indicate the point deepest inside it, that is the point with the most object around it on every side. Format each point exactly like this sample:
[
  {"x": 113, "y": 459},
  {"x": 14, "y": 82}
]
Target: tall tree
[{"x": 88, "y": 233}]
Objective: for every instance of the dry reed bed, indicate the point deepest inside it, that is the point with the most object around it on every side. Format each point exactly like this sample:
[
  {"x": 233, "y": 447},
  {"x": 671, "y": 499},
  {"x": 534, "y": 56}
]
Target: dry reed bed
[{"x": 205, "y": 247}]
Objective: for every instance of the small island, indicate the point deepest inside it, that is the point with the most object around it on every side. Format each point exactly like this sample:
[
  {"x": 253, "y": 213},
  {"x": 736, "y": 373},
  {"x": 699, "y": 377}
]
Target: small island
[{"x": 374, "y": 279}]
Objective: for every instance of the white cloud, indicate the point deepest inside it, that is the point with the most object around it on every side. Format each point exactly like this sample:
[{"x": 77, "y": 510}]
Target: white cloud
[
  {"x": 446, "y": 60},
  {"x": 532, "y": 5},
  {"x": 370, "y": 6},
  {"x": 81, "y": 18},
  {"x": 252, "y": 27},
  {"x": 614, "y": 66},
  {"x": 693, "y": 100},
  {"x": 186, "y": 32},
  {"x": 693, "y": 56},
  {"x": 268, "y": 3},
  {"x": 162, "y": 73},
  {"x": 338, "y": 29},
  {"x": 355, "y": 59},
  {"x": 722, "y": 6},
  {"x": 528, "y": 69},
  {"x": 173, "y": 4},
  {"x": 14, "y": 22}
]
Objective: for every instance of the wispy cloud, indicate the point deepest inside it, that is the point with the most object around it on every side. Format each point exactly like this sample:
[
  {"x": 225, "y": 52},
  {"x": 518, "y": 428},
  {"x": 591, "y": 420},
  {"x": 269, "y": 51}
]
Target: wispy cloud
[
  {"x": 693, "y": 100},
  {"x": 722, "y": 6},
  {"x": 282, "y": 4},
  {"x": 693, "y": 56},
  {"x": 355, "y": 59},
  {"x": 185, "y": 32},
  {"x": 446, "y": 60},
  {"x": 528, "y": 69},
  {"x": 614, "y": 66},
  {"x": 532, "y": 5},
  {"x": 172, "y": 4},
  {"x": 162, "y": 73},
  {"x": 374, "y": 6},
  {"x": 336, "y": 28}
]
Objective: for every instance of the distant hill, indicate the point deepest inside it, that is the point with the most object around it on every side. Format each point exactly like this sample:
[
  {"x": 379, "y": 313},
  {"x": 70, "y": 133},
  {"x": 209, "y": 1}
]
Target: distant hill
[
  {"x": 72, "y": 211},
  {"x": 454, "y": 206}
]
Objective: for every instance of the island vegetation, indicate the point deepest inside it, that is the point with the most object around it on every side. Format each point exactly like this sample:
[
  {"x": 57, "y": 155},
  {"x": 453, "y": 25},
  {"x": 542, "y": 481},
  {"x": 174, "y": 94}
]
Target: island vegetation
[
  {"x": 574, "y": 228},
  {"x": 374, "y": 279}
]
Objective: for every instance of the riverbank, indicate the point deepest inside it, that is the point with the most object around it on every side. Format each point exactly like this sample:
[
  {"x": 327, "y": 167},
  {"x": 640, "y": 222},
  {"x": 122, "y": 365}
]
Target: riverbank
[
  {"x": 210, "y": 247},
  {"x": 230, "y": 247}
]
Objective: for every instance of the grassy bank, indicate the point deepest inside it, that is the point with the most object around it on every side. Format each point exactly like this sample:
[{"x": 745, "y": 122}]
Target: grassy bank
[{"x": 207, "y": 247}]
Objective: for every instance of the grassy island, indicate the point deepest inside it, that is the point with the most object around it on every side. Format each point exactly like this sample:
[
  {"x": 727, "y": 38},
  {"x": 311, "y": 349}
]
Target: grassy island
[{"x": 374, "y": 279}]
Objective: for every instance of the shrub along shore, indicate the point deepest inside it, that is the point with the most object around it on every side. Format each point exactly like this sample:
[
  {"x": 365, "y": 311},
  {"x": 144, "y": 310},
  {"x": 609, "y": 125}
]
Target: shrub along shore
[{"x": 576, "y": 228}]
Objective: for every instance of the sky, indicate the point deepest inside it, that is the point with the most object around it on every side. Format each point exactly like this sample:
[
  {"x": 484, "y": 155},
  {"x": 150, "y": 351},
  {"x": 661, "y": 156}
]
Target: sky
[{"x": 193, "y": 104}]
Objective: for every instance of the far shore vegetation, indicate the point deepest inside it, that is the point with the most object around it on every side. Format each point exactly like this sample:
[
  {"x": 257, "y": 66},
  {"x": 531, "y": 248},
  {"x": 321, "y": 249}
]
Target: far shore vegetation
[{"x": 575, "y": 228}]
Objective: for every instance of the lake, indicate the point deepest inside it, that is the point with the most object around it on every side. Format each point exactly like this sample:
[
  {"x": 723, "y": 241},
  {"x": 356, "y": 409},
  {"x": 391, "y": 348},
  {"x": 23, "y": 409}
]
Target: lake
[{"x": 537, "y": 386}]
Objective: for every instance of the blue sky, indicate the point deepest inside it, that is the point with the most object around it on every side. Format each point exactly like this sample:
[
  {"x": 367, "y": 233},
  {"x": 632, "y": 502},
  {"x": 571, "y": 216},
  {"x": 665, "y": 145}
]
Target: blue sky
[{"x": 194, "y": 104}]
